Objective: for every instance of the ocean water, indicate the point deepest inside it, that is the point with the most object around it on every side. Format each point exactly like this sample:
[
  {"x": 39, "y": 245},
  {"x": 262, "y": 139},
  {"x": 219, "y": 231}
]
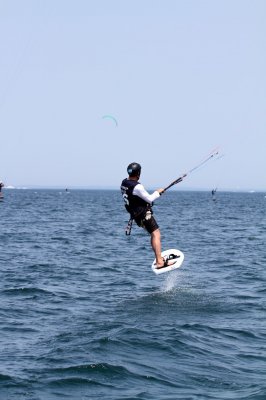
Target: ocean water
[{"x": 82, "y": 316}]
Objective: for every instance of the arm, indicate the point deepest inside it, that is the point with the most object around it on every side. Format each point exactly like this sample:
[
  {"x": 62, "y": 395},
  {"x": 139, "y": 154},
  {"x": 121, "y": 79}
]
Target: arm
[{"x": 143, "y": 194}]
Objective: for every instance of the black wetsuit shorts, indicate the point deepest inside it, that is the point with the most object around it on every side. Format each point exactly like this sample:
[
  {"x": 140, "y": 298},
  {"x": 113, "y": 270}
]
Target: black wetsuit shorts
[{"x": 147, "y": 222}]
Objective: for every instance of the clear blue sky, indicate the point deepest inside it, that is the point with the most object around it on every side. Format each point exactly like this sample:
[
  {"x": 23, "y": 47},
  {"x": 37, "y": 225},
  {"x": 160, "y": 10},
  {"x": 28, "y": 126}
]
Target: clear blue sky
[{"x": 180, "y": 77}]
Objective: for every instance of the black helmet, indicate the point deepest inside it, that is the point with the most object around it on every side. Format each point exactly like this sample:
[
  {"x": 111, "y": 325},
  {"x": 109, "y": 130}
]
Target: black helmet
[{"x": 134, "y": 169}]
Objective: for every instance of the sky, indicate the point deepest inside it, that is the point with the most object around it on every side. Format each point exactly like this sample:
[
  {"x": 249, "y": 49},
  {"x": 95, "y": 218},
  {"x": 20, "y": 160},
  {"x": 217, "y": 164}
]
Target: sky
[{"x": 179, "y": 77}]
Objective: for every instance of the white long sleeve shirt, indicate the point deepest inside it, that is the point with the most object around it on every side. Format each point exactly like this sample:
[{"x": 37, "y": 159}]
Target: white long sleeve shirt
[{"x": 141, "y": 192}]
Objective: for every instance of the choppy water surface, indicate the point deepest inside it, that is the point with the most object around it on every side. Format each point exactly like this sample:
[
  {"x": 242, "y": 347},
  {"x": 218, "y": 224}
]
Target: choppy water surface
[{"x": 84, "y": 317}]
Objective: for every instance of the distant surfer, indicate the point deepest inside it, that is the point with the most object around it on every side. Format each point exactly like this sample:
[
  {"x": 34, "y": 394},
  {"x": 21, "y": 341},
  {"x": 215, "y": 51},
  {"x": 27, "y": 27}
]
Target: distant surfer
[
  {"x": 213, "y": 194},
  {"x": 1, "y": 186},
  {"x": 138, "y": 203}
]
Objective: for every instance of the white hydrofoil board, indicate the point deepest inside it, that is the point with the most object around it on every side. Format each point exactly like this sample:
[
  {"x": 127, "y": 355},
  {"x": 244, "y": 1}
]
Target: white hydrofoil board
[{"x": 165, "y": 254}]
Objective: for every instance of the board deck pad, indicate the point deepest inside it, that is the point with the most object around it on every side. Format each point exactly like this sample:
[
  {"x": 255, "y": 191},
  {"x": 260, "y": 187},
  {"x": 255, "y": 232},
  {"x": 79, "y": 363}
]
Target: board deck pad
[{"x": 165, "y": 254}]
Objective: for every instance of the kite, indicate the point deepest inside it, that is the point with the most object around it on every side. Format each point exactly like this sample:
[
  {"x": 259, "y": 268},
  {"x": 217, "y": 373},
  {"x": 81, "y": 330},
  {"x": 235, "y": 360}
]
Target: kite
[{"x": 110, "y": 117}]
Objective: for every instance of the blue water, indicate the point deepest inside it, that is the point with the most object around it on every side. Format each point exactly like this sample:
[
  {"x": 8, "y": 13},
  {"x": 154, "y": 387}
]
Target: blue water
[{"x": 82, "y": 316}]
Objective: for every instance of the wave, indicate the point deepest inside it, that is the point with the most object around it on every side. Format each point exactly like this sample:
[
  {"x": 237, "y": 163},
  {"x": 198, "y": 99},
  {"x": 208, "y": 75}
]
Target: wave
[
  {"x": 27, "y": 291},
  {"x": 107, "y": 375},
  {"x": 4, "y": 378}
]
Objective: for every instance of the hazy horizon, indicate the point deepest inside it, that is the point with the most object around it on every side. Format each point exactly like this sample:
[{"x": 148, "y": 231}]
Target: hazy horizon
[{"x": 113, "y": 188}]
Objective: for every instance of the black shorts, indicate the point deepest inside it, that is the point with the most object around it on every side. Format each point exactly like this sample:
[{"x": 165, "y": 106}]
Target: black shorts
[{"x": 147, "y": 222}]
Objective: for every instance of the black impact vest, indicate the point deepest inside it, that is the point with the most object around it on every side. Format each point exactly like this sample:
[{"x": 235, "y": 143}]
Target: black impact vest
[{"x": 136, "y": 206}]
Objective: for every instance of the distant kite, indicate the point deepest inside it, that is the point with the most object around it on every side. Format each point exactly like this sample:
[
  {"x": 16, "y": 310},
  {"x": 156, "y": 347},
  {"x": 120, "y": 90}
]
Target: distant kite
[{"x": 111, "y": 118}]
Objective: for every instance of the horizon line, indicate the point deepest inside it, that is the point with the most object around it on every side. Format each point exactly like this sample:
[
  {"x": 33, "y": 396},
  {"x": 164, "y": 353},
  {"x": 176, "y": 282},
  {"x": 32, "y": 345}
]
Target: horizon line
[{"x": 91, "y": 187}]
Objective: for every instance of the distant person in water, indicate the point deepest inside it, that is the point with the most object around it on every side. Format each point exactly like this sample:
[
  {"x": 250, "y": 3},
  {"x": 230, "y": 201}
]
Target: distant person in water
[
  {"x": 1, "y": 186},
  {"x": 138, "y": 203}
]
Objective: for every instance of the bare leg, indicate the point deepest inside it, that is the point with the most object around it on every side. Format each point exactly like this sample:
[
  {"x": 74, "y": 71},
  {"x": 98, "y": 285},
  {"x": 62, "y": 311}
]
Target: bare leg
[{"x": 156, "y": 246}]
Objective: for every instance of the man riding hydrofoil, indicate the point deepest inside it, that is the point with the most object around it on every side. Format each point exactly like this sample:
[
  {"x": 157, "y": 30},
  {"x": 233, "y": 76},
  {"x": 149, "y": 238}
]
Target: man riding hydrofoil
[{"x": 138, "y": 203}]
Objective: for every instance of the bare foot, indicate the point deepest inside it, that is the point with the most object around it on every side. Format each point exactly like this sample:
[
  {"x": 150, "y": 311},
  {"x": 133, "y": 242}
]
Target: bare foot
[
  {"x": 160, "y": 264},
  {"x": 165, "y": 263}
]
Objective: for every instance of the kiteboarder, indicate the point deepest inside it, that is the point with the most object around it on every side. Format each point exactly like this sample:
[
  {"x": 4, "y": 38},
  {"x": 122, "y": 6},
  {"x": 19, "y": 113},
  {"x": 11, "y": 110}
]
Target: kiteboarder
[
  {"x": 213, "y": 194},
  {"x": 138, "y": 203},
  {"x": 1, "y": 186}
]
